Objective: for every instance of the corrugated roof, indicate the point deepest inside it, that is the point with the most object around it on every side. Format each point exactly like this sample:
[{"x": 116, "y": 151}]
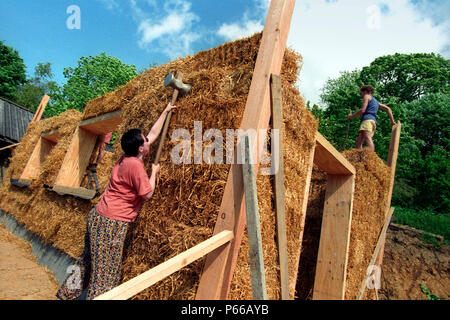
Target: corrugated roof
[{"x": 14, "y": 120}]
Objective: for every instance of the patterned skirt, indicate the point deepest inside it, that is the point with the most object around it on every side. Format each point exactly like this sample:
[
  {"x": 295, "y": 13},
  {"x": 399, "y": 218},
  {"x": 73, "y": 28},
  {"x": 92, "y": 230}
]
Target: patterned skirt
[{"x": 98, "y": 267}]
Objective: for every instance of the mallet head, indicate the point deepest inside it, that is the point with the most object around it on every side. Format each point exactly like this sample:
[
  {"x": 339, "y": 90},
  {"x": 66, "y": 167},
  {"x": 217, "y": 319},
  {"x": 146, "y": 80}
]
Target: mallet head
[{"x": 171, "y": 81}]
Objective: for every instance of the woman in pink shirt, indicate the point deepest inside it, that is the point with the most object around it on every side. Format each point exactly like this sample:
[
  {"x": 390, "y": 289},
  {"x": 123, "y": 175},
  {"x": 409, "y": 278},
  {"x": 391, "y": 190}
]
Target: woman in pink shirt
[{"x": 98, "y": 268}]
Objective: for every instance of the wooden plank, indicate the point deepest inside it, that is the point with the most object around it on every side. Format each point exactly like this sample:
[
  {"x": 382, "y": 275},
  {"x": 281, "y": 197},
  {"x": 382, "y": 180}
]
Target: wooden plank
[
  {"x": 277, "y": 120},
  {"x": 10, "y": 146},
  {"x": 77, "y": 158},
  {"x": 134, "y": 286},
  {"x": 392, "y": 163},
  {"x": 392, "y": 158},
  {"x": 51, "y": 135},
  {"x": 258, "y": 277},
  {"x": 82, "y": 193},
  {"x": 219, "y": 266},
  {"x": 34, "y": 164},
  {"x": 328, "y": 159},
  {"x": 331, "y": 269},
  {"x": 40, "y": 109},
  {"x": 380, "y": 243},
  {"x": 103, "y": 124}
]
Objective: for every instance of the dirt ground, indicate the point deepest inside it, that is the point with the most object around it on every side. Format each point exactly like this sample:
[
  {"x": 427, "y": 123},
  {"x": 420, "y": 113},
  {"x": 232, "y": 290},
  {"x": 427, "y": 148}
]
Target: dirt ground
[
  {"x": 21, "y": 278},
  {"x": 409, "y": 262}
]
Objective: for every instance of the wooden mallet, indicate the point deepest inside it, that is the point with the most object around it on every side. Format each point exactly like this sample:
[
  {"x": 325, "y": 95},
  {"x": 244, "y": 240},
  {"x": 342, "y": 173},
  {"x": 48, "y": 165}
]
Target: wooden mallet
[{"x": 176, "y": 82}]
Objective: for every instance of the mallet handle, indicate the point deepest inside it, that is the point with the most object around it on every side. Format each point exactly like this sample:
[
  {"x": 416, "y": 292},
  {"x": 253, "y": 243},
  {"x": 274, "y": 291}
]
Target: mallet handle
[{"x": 166, "y": 123}]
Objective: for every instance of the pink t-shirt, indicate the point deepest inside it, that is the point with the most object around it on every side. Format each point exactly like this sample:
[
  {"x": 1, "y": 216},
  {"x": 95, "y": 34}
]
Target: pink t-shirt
[{"x": 123, "y": 197}]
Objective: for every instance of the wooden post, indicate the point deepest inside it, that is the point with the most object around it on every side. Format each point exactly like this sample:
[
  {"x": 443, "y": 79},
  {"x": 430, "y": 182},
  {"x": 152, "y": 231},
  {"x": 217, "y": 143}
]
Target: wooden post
[
  {"x": 277, "y": 120},
  {"x": 331, "y": 270},
  {"x": 392, "y": 163},
  {"x": 219, "y": 266},
  {"x": 41, "y": 108},
  {"x": 253, "y": 225}
]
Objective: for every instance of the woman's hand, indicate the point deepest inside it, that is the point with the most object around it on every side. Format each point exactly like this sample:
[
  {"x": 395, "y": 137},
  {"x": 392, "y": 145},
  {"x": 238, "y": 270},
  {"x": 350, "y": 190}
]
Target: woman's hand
[
  {"x": 155, "y": 169},
  {"x": 169, "y": 108}
]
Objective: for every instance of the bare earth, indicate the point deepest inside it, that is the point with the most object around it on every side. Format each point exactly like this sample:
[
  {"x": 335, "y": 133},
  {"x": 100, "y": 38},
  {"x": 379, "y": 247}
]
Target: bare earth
[
  {"x": 21, "y": 278},
  {"x": 409, "y": 262}
]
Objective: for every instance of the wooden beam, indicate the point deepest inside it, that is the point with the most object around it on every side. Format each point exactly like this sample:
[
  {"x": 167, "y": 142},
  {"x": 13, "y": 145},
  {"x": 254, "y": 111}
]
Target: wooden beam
[
  {"x": 51, "y": 135},
  {"x": 37, "y": 158},
  {"x": 82, "y": 193},
  {"x": 378, "y": 247},
  {"x": 134, "y": 286},
  {"x": 41, "y": 108},
  {"x": 328, "y": 159},
  {"x": 392, "y": 158},
  {"x": 277, "y": 121},
  {"x": 10, "y": 146},
  {"x": 331, "y": 269},
  {"x": 77, "y": 158},
  {"x": 219, "y": 266},
  {"x": 392, "y": 163},
  {"x": 103, "y": 124},
  {"x": 258, "y": 277}
]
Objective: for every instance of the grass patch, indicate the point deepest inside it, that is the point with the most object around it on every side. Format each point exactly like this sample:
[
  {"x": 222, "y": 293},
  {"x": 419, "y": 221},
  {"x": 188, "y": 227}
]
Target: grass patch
[{"x": 425, "y": 220}]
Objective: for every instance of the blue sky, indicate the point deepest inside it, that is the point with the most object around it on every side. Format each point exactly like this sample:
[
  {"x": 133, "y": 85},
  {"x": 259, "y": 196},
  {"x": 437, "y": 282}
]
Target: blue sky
[{"x": 332, "y": 35}]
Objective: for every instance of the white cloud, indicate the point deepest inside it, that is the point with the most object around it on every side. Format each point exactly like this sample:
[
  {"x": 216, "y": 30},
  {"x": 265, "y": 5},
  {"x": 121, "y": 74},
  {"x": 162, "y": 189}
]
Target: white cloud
[
  {"x": 235, "y": 31},
  {"x": 251, "y": 22},
  {"x": 336, "y": 36},
  {"x": 169, "y": 31}
]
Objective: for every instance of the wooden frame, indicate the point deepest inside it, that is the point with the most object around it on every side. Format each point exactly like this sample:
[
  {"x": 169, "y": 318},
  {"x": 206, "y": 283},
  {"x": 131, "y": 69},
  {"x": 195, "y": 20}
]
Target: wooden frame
[
  {"x": 103, "y": 124},
  {"x": 331, "y": 269},
  {"x": 73, "y": 169},
  {"x": 219, "y": 266},
  {"x": 34, "y": 164},
  {"x": 143, "y": 281}
]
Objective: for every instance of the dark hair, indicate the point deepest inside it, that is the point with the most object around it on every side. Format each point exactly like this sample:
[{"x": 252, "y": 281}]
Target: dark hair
[
  {"x": 131, "y": 141},
  {"x": 369, "y": 89}
]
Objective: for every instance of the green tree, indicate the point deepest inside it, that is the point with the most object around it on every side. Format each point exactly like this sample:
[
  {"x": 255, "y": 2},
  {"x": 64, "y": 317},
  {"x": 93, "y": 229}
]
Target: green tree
[
  {"x": 30, "y": 94},
  {"x": 94, "y": 76},
  {"x": 12, "y": 71},
  {"x": 408, "y": 76}
]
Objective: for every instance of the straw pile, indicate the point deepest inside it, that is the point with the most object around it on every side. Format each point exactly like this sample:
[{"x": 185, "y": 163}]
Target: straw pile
[
  {"x": 369, "y": 209},
  {"x": 183, "y": 211},
  {"x": 184, "y": 208}
]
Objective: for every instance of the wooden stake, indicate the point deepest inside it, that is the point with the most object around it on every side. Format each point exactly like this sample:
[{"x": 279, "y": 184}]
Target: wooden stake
[
  {"x": 278, "y": 160},
  {"x": 258, "y": 277}
]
